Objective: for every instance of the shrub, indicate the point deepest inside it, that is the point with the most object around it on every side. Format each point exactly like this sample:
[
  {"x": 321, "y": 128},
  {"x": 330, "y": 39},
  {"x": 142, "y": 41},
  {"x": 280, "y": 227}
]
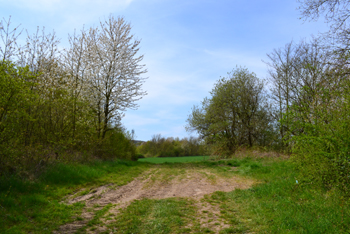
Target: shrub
[{"x": 322, "y": 148}]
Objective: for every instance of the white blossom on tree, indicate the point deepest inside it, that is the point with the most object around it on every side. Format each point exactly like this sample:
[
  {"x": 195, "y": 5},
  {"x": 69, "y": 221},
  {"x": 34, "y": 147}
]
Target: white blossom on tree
[{"x": 114, "y": 72}]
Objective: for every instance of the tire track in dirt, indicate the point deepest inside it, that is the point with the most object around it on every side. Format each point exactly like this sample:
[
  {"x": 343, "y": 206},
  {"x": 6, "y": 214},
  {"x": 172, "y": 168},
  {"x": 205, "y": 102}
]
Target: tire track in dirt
[{"x": 195, "y": 183}]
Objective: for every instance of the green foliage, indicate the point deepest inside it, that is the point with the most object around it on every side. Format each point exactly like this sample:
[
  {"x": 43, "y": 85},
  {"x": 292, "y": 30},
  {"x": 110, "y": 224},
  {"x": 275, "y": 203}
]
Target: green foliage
[
  {"x": 42, "y": 122},
  {"x": 170, "y": 147},
  {"x": 16, "y": 97},
  {"x": 236, "y": 114},
  {"x": 117, "y": 145},
  {"x": 279, "y": 204},
  {"x": 322, "y": 147}
]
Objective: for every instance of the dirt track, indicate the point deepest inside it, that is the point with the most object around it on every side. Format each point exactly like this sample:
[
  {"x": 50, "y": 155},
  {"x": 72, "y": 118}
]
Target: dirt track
[{"x": 194, "y": 184}]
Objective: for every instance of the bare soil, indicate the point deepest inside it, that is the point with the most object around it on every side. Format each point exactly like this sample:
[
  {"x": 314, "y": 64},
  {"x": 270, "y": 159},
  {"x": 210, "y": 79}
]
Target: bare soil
[{"x": 189, "y": 183}]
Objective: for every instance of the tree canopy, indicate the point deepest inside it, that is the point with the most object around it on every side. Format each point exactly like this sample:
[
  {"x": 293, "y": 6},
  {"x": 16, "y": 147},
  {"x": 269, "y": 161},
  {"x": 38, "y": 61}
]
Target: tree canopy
[{"x": 235, "y": 115}]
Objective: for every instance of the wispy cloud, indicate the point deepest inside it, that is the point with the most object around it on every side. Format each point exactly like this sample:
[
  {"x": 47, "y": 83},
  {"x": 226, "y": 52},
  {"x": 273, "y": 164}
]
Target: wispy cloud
[
  {"x": 231, "y": 58},
  {"x": 67, "y": 15},
  {"x": 71, "y": 5}
]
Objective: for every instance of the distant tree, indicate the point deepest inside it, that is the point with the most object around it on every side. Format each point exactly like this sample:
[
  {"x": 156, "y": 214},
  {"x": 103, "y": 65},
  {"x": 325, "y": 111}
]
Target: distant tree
[
  {"x": 236, "y": 114},
  {"x": 159, "y": 146}
]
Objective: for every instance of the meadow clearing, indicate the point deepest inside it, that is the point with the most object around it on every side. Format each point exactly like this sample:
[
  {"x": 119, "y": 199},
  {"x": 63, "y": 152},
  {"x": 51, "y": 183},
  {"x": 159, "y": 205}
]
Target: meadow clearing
[{"x": 157, "y": 195}]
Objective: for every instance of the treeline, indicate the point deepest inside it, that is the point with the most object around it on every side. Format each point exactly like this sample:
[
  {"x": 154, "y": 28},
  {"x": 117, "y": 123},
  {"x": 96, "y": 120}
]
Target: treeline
[
  {"x": 159, "y": 146},
  {"x": 303, "y": 108},
  {"x": 66, "y": 104}
]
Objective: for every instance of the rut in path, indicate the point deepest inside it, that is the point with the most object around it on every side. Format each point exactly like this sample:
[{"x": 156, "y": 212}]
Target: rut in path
[{"x": 194, "y": 183}]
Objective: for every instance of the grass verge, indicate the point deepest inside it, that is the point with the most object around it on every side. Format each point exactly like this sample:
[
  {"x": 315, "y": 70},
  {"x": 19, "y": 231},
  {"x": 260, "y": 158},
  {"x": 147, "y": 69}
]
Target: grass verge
[
  {"x": 34, "y": 206},
  {"x": 279, "y": 204}
]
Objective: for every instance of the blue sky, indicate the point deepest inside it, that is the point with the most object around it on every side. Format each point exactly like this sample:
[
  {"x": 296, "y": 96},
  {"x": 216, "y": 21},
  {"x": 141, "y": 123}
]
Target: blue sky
[{"x": 187, "y": 44}]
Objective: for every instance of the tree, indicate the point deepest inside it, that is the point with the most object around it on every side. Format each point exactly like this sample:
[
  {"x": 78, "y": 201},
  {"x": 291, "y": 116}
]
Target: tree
[
  {"x": 75, "y": 63},
  {"x": 337, "y": 15},
  {"x": 336, "y": 12},
  {"x": 115, "y": 73},
  {"x": 298, "y": 74},
  {"x": 281, "y": 72},
  {"x": 9, "y": 47},
  {"x": 53, "y": 99},
  {"x": 236, "y": 114}
]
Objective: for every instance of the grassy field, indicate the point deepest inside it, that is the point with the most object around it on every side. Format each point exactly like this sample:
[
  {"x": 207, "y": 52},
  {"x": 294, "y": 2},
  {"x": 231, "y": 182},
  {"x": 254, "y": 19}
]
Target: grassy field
[
  {"x": 275, "y": 204},
  {"x": 34, "y": 206},
  {"x": 174, "y": 159}
]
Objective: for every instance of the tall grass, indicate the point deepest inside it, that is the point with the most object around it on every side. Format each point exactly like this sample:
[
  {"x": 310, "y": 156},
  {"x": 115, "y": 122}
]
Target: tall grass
[{"x": 280, "y": 204}]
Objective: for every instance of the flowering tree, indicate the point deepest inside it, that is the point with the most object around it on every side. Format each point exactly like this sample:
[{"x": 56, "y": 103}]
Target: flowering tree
[
  {"x": 114, "y": 72},
  {"x": 68, "y": 98}
]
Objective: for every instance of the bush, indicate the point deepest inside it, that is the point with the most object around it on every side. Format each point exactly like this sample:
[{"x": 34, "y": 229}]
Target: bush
[
  {"x": 116, "y": 145},
  {"x": 322, "y": 149},
  {"x": 140, "y": 156}
]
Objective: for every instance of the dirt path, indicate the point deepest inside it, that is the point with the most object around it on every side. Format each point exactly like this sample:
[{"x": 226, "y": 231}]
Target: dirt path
[{"x": 157, "y": 183}]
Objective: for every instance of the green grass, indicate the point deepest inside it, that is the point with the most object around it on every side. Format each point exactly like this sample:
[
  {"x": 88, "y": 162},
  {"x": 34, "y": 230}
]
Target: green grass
[
  {"x": 274, "y": 205},
  {"x": 279, "y": 205},
  {"x": 34, "y": 206},
  {"x": 155, "y": 216},
  {"x": 158, "y": 160},
  {"x": 96, "y": 219}
]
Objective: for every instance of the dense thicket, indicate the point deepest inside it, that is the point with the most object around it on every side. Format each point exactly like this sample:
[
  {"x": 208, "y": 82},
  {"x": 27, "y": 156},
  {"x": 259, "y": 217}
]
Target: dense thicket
[
  {"x": 159, "y": 146},
  {"x": 67, "y": 104},
  {"x": 321, "y": 145}
]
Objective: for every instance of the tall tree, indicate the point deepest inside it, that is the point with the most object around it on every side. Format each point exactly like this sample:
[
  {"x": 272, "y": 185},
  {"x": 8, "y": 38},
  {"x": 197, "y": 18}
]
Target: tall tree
[
  {"x": 297, "y": 73},
  {"x": 281, "y": 73},
  {"x": 115, "y": 73}
]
